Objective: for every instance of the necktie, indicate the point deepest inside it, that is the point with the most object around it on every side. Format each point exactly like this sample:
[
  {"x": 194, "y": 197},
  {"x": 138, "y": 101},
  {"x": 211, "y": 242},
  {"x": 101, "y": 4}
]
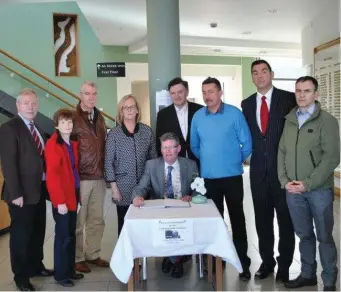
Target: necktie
[
  {"x": 169, "y": 186},
  {"x": 264, "y": 115},
  {"x": 36, "y": 139}
]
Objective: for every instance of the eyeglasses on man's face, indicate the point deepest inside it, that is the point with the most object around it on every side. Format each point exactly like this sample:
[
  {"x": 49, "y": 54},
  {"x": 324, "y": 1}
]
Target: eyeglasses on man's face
[{"x": 169, "y": 147}]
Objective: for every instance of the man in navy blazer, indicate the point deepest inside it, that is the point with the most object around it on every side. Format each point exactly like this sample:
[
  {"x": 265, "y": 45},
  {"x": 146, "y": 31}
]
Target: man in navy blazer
[{"x": 264, "y": 112}]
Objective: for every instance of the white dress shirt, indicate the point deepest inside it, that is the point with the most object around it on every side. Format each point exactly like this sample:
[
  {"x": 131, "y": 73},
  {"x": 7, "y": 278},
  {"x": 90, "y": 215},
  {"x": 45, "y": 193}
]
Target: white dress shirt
[
  {"x": 259, "y": 103},
  {"x": 182, "y": 114},
  {"x": 176, "y": 181}
]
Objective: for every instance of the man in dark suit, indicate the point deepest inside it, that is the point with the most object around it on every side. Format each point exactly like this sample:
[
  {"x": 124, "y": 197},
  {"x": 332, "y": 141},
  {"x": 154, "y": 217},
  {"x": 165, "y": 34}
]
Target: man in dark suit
[
  {"x": 24, "y": 190},
  {"x": 177, "y": 117},
  {"x": 264, "y": 112}
]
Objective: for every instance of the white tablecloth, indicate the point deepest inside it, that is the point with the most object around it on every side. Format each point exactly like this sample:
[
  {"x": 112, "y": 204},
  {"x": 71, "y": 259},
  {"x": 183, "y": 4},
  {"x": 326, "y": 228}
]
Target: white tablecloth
[{"x": 211, "y": 236}]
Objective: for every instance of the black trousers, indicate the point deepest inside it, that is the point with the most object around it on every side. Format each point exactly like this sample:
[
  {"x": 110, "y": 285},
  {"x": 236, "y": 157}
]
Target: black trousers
[
  {"x": 64, "y": 244},
  {"x": 232, "y": 189},
  {"x": 121, "y": 212},
  {"x": 267, "y": 197},
  {"x": 27, "y": 234}
]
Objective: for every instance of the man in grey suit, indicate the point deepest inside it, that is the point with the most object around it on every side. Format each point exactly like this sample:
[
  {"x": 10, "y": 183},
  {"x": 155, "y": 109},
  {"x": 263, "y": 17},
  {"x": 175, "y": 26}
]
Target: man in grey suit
[{"x": 167, "y": 177}]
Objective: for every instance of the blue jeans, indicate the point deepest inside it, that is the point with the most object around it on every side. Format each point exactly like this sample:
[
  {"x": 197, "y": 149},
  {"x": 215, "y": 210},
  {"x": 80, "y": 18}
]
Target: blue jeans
[{"x": 305, "y": 208}]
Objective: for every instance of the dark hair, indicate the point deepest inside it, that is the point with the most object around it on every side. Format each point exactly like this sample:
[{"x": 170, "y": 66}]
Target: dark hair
[
  {"x": 63, "y": 113},
  {"x": 257, "y": 62},
  {"x": 210, "y": 80},
  {"x": 308, "y": 78},
  {"x": 177, "y": 81},
  {"x": 170, "y": 136}
]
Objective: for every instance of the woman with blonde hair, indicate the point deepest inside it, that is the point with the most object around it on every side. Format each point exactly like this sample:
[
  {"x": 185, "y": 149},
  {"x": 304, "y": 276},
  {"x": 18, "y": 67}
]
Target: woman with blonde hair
[{"x": 129, "y": 145}]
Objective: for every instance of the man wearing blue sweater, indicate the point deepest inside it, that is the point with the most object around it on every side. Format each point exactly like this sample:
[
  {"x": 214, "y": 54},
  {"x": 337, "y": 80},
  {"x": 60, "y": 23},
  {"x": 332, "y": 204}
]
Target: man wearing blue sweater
[{"x": 221, "y": 140}]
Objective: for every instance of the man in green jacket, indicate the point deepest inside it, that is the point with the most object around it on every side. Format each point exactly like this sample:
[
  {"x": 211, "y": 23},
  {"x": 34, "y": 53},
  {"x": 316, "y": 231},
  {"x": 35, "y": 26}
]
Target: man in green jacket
[{"x": 309, "y": 151}]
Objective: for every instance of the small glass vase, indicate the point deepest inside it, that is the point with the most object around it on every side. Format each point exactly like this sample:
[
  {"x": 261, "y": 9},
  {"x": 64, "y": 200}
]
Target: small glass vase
[{"x": 198, "y": 198}]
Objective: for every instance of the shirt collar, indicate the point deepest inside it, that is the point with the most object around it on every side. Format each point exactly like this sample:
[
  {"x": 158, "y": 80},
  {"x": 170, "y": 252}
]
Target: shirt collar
[
  {"x": 219, "y": 111},
  {"x": 175, "y": 164},
  {"x": 27, "y": 122},
  {"x": 310, "y": 110},
  {"x": 268, "y": 95},
  {"x": 184, "y": 108}
]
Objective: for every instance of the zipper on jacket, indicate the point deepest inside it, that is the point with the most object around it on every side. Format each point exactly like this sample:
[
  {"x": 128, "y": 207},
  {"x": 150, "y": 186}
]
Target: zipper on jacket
[
  {"x": 298, "y": 132},
  {"x": 312, "y": 158}
]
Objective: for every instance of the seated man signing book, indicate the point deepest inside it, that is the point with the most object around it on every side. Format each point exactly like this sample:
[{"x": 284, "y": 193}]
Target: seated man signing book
[{"x": 167, "y": 177}]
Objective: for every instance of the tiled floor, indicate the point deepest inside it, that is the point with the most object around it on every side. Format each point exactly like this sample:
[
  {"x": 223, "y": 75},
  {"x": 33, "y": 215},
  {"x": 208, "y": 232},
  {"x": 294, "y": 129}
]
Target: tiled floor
[{"x": 103, "y": 279}]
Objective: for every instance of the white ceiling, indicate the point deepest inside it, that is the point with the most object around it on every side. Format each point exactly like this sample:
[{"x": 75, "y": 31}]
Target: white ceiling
[{"x": 123, "y": 22}]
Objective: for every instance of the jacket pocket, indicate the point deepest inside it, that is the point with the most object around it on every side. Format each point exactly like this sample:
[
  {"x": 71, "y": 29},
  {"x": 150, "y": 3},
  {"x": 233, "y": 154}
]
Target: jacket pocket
[{"x": 312, "y": 158}]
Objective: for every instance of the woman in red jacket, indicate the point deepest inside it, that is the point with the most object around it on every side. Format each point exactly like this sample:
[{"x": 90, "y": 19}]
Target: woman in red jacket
[{"x": 62, "y": 180}]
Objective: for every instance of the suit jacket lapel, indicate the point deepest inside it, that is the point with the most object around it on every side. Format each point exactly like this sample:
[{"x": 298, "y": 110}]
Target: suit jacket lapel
[
  {"x": 174, "y": 117},
  {"x": 273, "y": 107},
  {"x": 183, "y": 177},
  {"x": 26, "y": 131},
  {"x": 253, "y": 101},
  {"x": 160, "y": 172},
  {"x": 190, "y": 117}
]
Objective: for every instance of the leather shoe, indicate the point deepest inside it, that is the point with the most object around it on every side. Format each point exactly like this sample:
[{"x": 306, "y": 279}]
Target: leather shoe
[
  {"x": 329, "y": 288},
  {"x": 45, "y": 273},
  {"x": 282, "y": 276},
  {"x": 263, "y": 272},
  {"x": 300, "y": 282},
  {"x": 245, "y": 276},
  {"x": 99, "y": 263},
  {"x": 25, "y": 286},
  {"x": 167, "y": 265},
  {"x": 82, "y": 267},
  {"x": 76, "y": 276},
  {"x": 177, "y": 270},
  {"x": 66, "y": 283}
]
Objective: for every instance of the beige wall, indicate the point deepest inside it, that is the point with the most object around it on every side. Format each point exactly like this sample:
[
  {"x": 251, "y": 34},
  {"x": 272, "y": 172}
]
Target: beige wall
[{"x": 140, "y": 89}]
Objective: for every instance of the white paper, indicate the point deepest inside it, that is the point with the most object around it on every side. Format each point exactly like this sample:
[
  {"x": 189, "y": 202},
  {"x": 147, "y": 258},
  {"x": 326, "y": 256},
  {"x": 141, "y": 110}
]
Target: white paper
[
  {"x": 172, "y": 203},
  {"x": 164, "y": 203},
  {"x": 153, "y": 204},
  {"x": 162, "y": 99},
  {"x": 172, "y": 232}
]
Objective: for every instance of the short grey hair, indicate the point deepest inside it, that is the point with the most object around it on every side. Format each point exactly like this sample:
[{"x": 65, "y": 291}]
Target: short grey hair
[
  {"x": 170, "y": 136},
  {"x": 88, "y": 83},
  {"x": 26, "y": 91}
]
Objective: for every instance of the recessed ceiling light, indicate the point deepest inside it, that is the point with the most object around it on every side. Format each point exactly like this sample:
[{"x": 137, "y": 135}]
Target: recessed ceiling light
[
  {"x": 246, "y": 33},
  {"x": 272, "y": 11}
]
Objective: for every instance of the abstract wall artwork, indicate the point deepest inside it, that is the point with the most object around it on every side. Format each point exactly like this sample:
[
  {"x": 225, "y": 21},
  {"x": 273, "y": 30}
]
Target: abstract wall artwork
[{"x": 65, "y": 44}]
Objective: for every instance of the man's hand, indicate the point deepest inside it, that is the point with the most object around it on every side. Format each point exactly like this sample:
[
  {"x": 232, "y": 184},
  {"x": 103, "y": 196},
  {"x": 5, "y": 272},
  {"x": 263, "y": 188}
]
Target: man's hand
[
  {"x": 295, "y": 187},
  {"x": 62, "y": 209},
  {"x": 116, "y": 195},
  {"x": 300, "y": 186},
  {"x": 186, "y": 198},
  {"x": 18, "y": 202},
  {"x": 138, "y": 201}
]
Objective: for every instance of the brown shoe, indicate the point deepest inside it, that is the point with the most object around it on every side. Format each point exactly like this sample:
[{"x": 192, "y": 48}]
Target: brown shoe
[
  {"x": 82, "y": 267},
  {"x": 99, "y": 263}
]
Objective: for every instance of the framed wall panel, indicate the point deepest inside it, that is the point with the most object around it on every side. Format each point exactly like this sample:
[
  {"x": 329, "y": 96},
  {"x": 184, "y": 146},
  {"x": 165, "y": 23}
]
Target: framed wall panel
[{"x": 65, "y": 31}]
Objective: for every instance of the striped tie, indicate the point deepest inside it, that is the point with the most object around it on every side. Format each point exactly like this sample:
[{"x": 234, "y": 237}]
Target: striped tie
[{"x": 36, "y": 139}]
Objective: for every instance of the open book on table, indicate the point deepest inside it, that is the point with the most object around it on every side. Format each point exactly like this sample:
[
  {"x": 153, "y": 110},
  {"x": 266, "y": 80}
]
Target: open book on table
[{"x": 164, "y": 203}]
